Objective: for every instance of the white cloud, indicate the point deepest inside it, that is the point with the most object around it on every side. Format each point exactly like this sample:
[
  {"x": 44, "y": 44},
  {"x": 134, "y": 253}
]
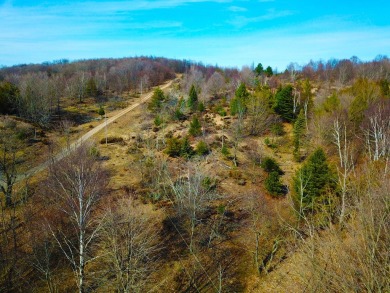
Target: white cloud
[
  {"x": 237, "y": 9},
  {"x": 241, "y": 21}
]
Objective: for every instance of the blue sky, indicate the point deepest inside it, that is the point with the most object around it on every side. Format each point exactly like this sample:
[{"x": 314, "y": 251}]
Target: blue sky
[{"x": 223, "y": 32}]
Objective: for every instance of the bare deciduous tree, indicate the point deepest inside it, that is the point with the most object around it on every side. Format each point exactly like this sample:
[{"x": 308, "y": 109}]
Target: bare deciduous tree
[
  {"x": 76, "y": 184},
  {"x": 192, "y": 193},
  {"x": 129, "y": 243},
  {"x": 258, "y": 112}
]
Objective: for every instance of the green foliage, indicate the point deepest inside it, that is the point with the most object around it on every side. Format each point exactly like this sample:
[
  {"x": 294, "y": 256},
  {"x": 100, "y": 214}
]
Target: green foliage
[
  {"x": 241, "y": 91},
  {"x": 312, "y": 181},
  {"x": 219, "y": 109},
  {"x": 332, "y": 103},
  {"x": 238, "y": 103},
  {"x": 385, "y": 88},
  {"x": 192, "y": 98},
  {"x": 270, "y": 165},
  {"x": 158, "y": 121},
  {"x": 201, "y": 107},
  {"x": 298, "y": 130},
  {"x": 23, "y": 133},
  {"x": 101, "y": 111},
  {"x": 225, "y": 151},
  {"x": 173, "y": 147},
  {"x": 179, "y": 115},
  {"x": 284, "y": 104},
  {"x": 259, "y": 69},
  {"x": 91, "y": 88},
  {"x": 273, "y": 184},
  {"x": 202, "y": 148},
  {"x": 186, "y": 150},
  {"x": 365, "y": 92},
  {"x": 269, "y": 143},
  {"x": 277, "y": 129},
  {"x": 94, "y": 152},
  {"x": 156, "y": 100},
  {"x": 195, "y": 127},
  {"x": 268, "y": 71},
  {"x": 179, "y": 147},
  {"x": 209, "y": 183},
  {"x": 8, "y": 96}
]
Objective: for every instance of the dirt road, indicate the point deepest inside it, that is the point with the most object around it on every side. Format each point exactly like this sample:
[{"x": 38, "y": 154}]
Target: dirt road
[{"x": 73, "y": 146}]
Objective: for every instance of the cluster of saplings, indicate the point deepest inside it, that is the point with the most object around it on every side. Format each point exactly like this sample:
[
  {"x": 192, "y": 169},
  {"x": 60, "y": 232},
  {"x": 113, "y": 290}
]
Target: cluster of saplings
[{"x": 181, "y": 147}]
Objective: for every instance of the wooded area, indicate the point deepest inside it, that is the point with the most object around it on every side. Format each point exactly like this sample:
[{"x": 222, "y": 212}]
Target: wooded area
[{"x": 231, "y": 180}]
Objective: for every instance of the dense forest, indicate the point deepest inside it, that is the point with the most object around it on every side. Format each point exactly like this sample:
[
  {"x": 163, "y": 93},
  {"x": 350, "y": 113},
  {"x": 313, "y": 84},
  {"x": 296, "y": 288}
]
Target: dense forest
[{"x": 225, "y": 180}]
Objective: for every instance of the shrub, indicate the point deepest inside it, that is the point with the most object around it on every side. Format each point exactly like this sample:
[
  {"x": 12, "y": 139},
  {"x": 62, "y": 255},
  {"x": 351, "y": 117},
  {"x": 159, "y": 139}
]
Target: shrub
[
  {"x": 178, "y": 115},
  {"x": 94, "y": 152},
  {"x": 158, "y": 121},
  {"x": 225, "y": 151},
  {"x": 179, "y": 147},
  {"x": 269, "y": 143},
  {"x": 202, "y": 148},
  {"x": 277, "y": 129},
  {"x": 101, "y": 111},
  {"x": 113, "y": 139}
]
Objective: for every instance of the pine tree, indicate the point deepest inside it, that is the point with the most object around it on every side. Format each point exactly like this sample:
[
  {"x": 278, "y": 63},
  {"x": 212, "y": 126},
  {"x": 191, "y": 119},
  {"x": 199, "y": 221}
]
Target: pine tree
[
  {"x": 273, "y": 184},
  {"x": 270, "y": 165},
  {"x": 156, "y": 100},
  {"x": 193, "y": 98},
  {"x": 268, "y": 71},
  {"x": 186, "y": 150},
  {"x": 195, "y": 127},
  {"x": 284, "y": 104},
  {"x": 101, "y": 111},
  {"x": 241, "y": 91},
  {"x": 174, "y": 147},
  {"x": 202, "y": 148},
  {"x": 312, "y": 181},
  {"x": 238, "y": 103},
  {"x": 259, "y": 69}
]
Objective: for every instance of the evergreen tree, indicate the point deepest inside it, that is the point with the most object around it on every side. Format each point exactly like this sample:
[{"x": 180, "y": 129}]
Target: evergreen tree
[
  {"x": 273, "y": 184},
  {"x": 241, "y": 91},
  {"x": 195, "y": 127},
  {"x": 270, "y": 165},
  {"x": 101, "y": 111},
  {"x": 156, "y": 100},
  {"x": 91, "y": 88},
  {"x": 268, "y": 71},
  {"x": 312, "y": 181},
  {"x": 259, "y": 69},
  {"x": 174, "y": 147},
  {"x": 238, "y": 103},
  {"x": 186, "y": 150},
  {"x": 193, "y": 98},
  {"x": 299, "y": 128},
  {"x": 284, "y": 104},
  {"x": 8, "y": 97},
  {"x": 202, "y": 148}
]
